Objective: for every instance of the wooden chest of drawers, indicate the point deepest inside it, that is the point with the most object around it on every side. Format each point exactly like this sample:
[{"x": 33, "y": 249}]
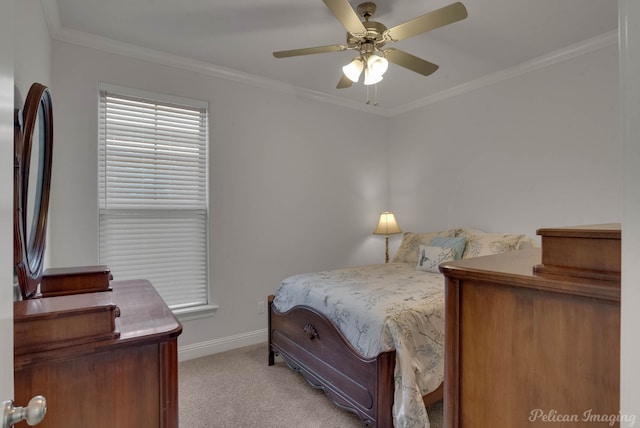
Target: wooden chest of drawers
[{"x": 527, "y": 347}]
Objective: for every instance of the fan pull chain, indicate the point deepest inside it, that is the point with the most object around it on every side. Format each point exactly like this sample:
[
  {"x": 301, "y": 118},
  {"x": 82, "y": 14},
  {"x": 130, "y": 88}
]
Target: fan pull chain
[{"x": 375, "y": 95}]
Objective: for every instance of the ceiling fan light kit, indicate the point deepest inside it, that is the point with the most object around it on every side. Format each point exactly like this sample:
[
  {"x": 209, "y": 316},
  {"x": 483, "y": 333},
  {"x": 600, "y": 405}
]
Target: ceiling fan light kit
[
  {"x": 373, "y": 72},
  {"x": 369, "y": 37}
]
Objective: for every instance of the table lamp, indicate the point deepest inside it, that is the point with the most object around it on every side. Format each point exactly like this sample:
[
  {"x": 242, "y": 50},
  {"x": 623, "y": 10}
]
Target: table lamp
[{"x": 387, "y": 226}]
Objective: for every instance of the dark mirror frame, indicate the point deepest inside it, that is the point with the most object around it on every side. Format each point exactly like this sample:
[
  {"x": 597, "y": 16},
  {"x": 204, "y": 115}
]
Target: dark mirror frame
[{"x": 29, "y": 239}]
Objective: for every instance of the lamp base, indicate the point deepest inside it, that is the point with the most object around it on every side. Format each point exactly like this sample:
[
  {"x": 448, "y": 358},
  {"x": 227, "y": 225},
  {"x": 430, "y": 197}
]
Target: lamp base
[{"x": 386, "y": 253}]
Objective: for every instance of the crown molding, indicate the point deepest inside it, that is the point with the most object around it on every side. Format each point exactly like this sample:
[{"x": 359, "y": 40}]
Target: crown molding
[
  {"x": 590, "y": 45},
  {"x": 126, "y": 49},
  {"x": 59, "y": 33}
]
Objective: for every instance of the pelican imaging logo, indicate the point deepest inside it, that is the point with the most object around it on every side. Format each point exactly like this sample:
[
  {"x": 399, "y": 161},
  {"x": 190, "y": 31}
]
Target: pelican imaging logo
[{"x": 587, "y": 416}]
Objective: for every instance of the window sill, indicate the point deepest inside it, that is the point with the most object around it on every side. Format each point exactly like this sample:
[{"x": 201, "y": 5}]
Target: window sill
[{"x": 198, "y": 312}]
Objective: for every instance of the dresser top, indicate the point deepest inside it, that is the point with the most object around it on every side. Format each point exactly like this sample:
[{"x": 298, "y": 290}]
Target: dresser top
[
  {"x": 515, "y": 268},
  {"x": 144, "y": 318},
  {"x": 593, "y": 231}
]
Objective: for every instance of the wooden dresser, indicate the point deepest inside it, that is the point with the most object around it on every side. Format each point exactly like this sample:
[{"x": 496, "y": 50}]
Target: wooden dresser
[
  {"x": 533, "y": 336},
  {"x": 102, "y": 360},
  {"x": 103, "y": 354}
]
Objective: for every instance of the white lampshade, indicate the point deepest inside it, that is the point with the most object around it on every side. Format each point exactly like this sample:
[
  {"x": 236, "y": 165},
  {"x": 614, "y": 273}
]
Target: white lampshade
[
  {"x": 387, "y": 225},
  {"x": 376, "y": 67},
  {"x": 353, "y": 69},
  {"x": 371, "y": 78},
  {"x": 377, "y": 64}
]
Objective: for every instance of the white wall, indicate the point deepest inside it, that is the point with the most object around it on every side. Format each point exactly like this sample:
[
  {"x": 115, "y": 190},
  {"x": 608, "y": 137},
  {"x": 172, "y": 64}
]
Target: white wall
[
  {"x": 296, "y": 185},
  {"x": 32, "y": 48},
  {"x": 630, "y": 102},
  {"x": 6, "y": 200},
  {"x": 538, "y": 150}
]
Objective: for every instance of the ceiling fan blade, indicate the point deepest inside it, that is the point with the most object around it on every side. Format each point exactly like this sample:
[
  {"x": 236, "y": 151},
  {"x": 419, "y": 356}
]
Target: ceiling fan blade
[
  {"x": 310, "y": 51},
  {"x": 344, "y": 82},
  {"x": 409, "y": 61},
  {"x": 427, "y": 22},
  {"x": 346, "y": 15}
]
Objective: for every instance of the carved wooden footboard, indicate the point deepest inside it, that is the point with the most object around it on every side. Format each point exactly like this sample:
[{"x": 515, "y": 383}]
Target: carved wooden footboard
[{"x": 311, "y": 344}]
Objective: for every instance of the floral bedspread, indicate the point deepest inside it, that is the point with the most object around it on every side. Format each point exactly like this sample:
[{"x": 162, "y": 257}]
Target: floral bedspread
[{"x": 379, "y": 308}]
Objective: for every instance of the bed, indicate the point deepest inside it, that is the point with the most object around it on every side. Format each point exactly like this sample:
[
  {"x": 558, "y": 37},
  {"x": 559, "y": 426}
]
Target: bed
[{"x": 372, "y": 337}]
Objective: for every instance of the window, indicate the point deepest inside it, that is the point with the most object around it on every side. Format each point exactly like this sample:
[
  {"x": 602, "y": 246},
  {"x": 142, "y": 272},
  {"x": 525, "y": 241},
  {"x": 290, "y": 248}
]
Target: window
[{"x": 152, "y": 177}]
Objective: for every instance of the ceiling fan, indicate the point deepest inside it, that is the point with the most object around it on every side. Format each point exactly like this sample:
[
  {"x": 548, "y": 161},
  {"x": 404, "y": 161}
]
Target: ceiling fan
[{"x": 369, "y": 37}]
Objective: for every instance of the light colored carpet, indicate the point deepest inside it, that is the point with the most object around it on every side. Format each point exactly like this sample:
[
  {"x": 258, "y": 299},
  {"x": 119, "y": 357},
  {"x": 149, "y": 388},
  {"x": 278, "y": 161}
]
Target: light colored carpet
[{"x": 237, "y": 389}]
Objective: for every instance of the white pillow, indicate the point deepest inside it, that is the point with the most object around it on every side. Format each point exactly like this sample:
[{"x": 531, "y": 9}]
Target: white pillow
[
  {"x": 483, "y": 244},
  {"x": 430, "y": 257},
  {"x": 408, "y": 251}
]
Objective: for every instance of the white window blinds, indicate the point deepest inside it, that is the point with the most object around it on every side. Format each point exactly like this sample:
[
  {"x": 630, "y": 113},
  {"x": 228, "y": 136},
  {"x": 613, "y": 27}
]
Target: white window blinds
[{"x": 153, "y": 192}]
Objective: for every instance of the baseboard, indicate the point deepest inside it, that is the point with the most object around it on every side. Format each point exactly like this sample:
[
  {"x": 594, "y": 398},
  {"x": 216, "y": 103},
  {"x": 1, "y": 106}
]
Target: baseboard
[{"x": 197, "y": 350}]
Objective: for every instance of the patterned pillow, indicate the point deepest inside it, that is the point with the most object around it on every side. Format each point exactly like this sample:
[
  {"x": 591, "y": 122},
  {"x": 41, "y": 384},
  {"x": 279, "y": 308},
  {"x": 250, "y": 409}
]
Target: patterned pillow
[
  {"x": 483, "y": 244},
  {"x": 457, "y": 243},
  {"x": 526, "y": 243},
  {"x": 430, "y": 257},
  {"x": 408, "y": 251}
]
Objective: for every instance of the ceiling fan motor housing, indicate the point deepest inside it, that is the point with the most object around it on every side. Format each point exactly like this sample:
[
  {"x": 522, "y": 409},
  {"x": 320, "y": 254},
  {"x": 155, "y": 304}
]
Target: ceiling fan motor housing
[
  {"x": 367, "y": 9},
  {"x": 375, "y": 35}
]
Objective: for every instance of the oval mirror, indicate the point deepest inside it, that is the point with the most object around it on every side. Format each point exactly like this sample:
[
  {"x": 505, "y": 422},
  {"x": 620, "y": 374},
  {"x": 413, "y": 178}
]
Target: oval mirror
[{"x": 33, "y": 145}]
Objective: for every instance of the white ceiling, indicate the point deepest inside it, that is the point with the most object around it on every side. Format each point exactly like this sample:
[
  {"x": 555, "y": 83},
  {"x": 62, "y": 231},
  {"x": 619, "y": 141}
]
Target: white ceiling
[{"x": 241, "y": 35}]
